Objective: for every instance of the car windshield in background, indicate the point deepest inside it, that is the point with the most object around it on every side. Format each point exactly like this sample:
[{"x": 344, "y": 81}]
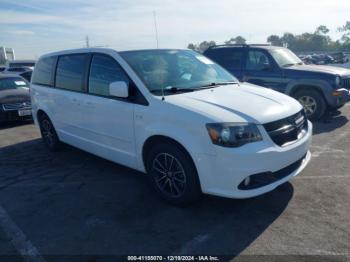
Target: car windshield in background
[
  {"x": 176, "y": 70},
  {"x": 285, "y": 57},
  {"x": 13, "y": 83}
]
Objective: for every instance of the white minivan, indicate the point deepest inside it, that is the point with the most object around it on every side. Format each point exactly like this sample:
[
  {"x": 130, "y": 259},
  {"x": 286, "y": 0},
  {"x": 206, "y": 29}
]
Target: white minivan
[{"x": 175, "y": 115}]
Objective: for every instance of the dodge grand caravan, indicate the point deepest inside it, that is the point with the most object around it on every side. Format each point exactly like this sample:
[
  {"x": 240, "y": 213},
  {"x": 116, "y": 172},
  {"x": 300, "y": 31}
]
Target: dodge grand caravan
[{"x": 175, "y": 115}]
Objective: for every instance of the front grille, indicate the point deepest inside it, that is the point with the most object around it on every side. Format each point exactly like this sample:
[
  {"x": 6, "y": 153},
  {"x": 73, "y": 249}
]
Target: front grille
[
  {"x": 346, "y": 83},
  {"x": 16, "y": 106},
  {"x": 287, "y": 130}
]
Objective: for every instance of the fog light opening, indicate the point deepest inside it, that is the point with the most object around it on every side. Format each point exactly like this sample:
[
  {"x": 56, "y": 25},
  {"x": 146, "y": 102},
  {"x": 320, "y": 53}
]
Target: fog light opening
[{"x": 247, "y": 181}]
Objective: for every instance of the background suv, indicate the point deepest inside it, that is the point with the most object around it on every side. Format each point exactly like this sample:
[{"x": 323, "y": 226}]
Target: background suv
[{"x": 316, "y": 87}]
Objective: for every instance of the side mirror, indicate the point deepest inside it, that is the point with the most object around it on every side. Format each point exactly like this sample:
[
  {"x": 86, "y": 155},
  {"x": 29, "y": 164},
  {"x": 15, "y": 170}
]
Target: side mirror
[{"x": 119, "y": 89}]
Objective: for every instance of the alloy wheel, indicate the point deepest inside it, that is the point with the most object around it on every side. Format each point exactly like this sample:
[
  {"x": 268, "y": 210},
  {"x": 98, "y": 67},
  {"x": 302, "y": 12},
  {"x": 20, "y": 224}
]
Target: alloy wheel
[
  {"x": 169, "y": 175},
  {"x": 309, "y": 104}
]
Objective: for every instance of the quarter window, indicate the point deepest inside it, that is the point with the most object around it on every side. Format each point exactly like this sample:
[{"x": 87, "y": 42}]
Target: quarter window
[
  {"x": 43, "y": 71},
  {"x": 257, "y": 60},
  {"x": 104, "y": 70},
  {"x": 70, "y": 72},
  {"x": 228, "y": 58}
]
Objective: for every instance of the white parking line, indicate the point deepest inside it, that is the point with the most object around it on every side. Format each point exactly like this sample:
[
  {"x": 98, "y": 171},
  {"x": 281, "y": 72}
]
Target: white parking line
[
  {"x": 314, "y": 177},
  {"x": 192, "y": 244},
  {"x": 19, "y": 240}
]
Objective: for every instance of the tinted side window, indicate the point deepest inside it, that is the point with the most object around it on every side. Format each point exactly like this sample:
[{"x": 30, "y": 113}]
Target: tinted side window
[
  {"x": 104, "y": 70},
  {"x": 228, "y": 58},
  {"x": 257, "y": 60},
  {"x": 70, "y": 72},
  {"x": 43, "y": 71}
]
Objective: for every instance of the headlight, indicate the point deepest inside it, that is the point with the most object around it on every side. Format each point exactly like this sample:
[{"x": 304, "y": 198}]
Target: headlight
[
  {"x": 337, "y": 80},
  {"x": 233, "y": 134}
]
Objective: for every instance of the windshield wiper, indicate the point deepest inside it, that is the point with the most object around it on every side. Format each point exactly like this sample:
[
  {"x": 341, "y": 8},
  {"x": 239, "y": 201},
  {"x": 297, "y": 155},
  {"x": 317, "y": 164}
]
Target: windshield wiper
[
  {"x": 216, "y": 84},
  {"x": 173, "y": 89}
]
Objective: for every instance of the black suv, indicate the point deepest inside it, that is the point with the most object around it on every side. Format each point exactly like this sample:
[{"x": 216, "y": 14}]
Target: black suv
[{"x": 316, "y": 87}]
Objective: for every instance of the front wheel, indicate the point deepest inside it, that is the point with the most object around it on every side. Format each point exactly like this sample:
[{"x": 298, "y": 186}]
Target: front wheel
[
  {"x": 173, "y": 174},
  {"x": 313, "y": 103}
]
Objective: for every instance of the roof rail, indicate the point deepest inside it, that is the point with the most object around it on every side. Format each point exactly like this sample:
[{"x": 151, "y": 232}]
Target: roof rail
[
  {"x": 242, "y": 45},
  {"x": 260, "y": 44}
]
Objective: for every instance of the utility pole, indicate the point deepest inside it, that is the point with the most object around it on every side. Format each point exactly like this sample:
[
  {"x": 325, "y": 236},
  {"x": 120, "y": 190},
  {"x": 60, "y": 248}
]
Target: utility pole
[
  {"x": 155, "y": 26},
  {"x": 87, "y": 41}
]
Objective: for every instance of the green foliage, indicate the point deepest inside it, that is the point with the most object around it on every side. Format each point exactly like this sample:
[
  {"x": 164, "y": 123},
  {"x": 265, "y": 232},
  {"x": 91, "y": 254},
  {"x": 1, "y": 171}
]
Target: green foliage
[
  {"x": 316, "y": 41},
  {"x": 346, "y": 30},
  {"x": 239, "y": 40},
  {"x": 202, "y": 46}
]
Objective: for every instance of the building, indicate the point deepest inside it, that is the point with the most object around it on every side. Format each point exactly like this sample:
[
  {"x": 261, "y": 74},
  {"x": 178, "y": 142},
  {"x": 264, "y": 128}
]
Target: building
[{"x": 6, "y": 54}]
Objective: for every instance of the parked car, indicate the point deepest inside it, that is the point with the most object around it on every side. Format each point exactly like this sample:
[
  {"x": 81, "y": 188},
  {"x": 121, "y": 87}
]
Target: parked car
[
  {"x": 14, "y": 98},
  {"x": 317, "y": 88},
  {"x": 174, "y": 114},
  {"x": 21, "y": 63},
  {"x": 307, "y": 59},
  {"x": 16, "y": 70},
  {"x": 339, "y": 58},
  {"x": 27, "y": 75}
]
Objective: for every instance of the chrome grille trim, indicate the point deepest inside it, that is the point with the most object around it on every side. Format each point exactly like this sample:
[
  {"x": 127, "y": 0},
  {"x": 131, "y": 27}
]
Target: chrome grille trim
[
  {"x": 17, "y": 106},
  {"x": 287, "y": 130}
]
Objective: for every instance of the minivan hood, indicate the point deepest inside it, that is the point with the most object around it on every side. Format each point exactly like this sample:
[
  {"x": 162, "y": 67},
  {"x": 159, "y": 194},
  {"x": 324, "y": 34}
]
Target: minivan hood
[
  {"x": 238, "y": 103},
  {"x": 321, "y": 69},
  {"x": 14, "y": 96}
]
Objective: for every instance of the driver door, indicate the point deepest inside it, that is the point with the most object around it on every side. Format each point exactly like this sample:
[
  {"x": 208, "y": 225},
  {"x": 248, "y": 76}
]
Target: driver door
[{"x": 261, "y": 70}]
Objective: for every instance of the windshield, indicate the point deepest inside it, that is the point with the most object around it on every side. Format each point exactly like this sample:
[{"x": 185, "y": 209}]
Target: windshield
[
  {"x": 13, "y": 83},
  {"x": 285, "y": 57},
  {"x": 176, "y": 70}
]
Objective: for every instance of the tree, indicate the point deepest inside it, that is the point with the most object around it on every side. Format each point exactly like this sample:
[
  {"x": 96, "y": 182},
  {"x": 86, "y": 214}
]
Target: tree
[
  {"x": 275, "y": 40},
  {"x": 322, "y": 29},
  {"x": 192, "y": 46},
  {"x": 205, "y": 45},
  {"x": 201, "y": 47},
  {"x": 288, "y": 39},
  {"x": 239, "y": 40},
  {"x": 346, "y": 30}
]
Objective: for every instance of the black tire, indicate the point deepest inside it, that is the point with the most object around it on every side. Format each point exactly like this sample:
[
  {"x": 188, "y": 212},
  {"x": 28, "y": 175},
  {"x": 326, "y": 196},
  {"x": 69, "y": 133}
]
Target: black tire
[
  {"x": 48, "y": 133},
  {"x": 320, "y": 104},
  {"x": 183, "y": 187}
]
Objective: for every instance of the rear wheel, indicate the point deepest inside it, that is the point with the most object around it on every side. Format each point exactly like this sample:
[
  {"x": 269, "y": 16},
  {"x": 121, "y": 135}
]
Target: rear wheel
[
  {"x": 173, "y": 174},
  {"x": 313, "y": 103},
  {"x": 48, "y": 133}
]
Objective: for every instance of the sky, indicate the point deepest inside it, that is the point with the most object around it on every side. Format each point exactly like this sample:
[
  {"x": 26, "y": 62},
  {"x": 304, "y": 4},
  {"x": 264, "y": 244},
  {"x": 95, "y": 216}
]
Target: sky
[{"x": 36, "y": 27}]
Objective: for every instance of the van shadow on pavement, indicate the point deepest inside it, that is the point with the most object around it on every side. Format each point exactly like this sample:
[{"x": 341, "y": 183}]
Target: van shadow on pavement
[{"x": 74, "y": 203}]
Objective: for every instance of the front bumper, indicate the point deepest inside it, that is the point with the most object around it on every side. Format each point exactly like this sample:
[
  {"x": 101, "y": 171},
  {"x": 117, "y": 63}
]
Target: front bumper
[
  {"x": 342, "y": 97},
  {"x": 13, "y": 115},
  {"x": 222, "y": 173}
]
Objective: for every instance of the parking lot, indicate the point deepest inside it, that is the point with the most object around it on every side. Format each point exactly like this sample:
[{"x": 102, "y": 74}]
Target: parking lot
[{"x": 72, "y": 203}]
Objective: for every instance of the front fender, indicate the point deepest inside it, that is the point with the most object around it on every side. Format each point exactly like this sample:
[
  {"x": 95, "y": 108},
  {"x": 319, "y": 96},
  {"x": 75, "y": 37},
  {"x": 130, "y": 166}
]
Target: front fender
[
  {"x": 322, "y": 86},
  {"x": 194, "y": 141}
]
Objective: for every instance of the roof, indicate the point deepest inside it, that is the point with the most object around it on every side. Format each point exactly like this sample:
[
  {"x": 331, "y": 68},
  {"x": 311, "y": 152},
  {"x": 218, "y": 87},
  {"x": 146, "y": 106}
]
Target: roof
[
  {"x": 22, "y": 61},
  {"x": 100, "y": 49},
  {"x": 262, "y": 46}
]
